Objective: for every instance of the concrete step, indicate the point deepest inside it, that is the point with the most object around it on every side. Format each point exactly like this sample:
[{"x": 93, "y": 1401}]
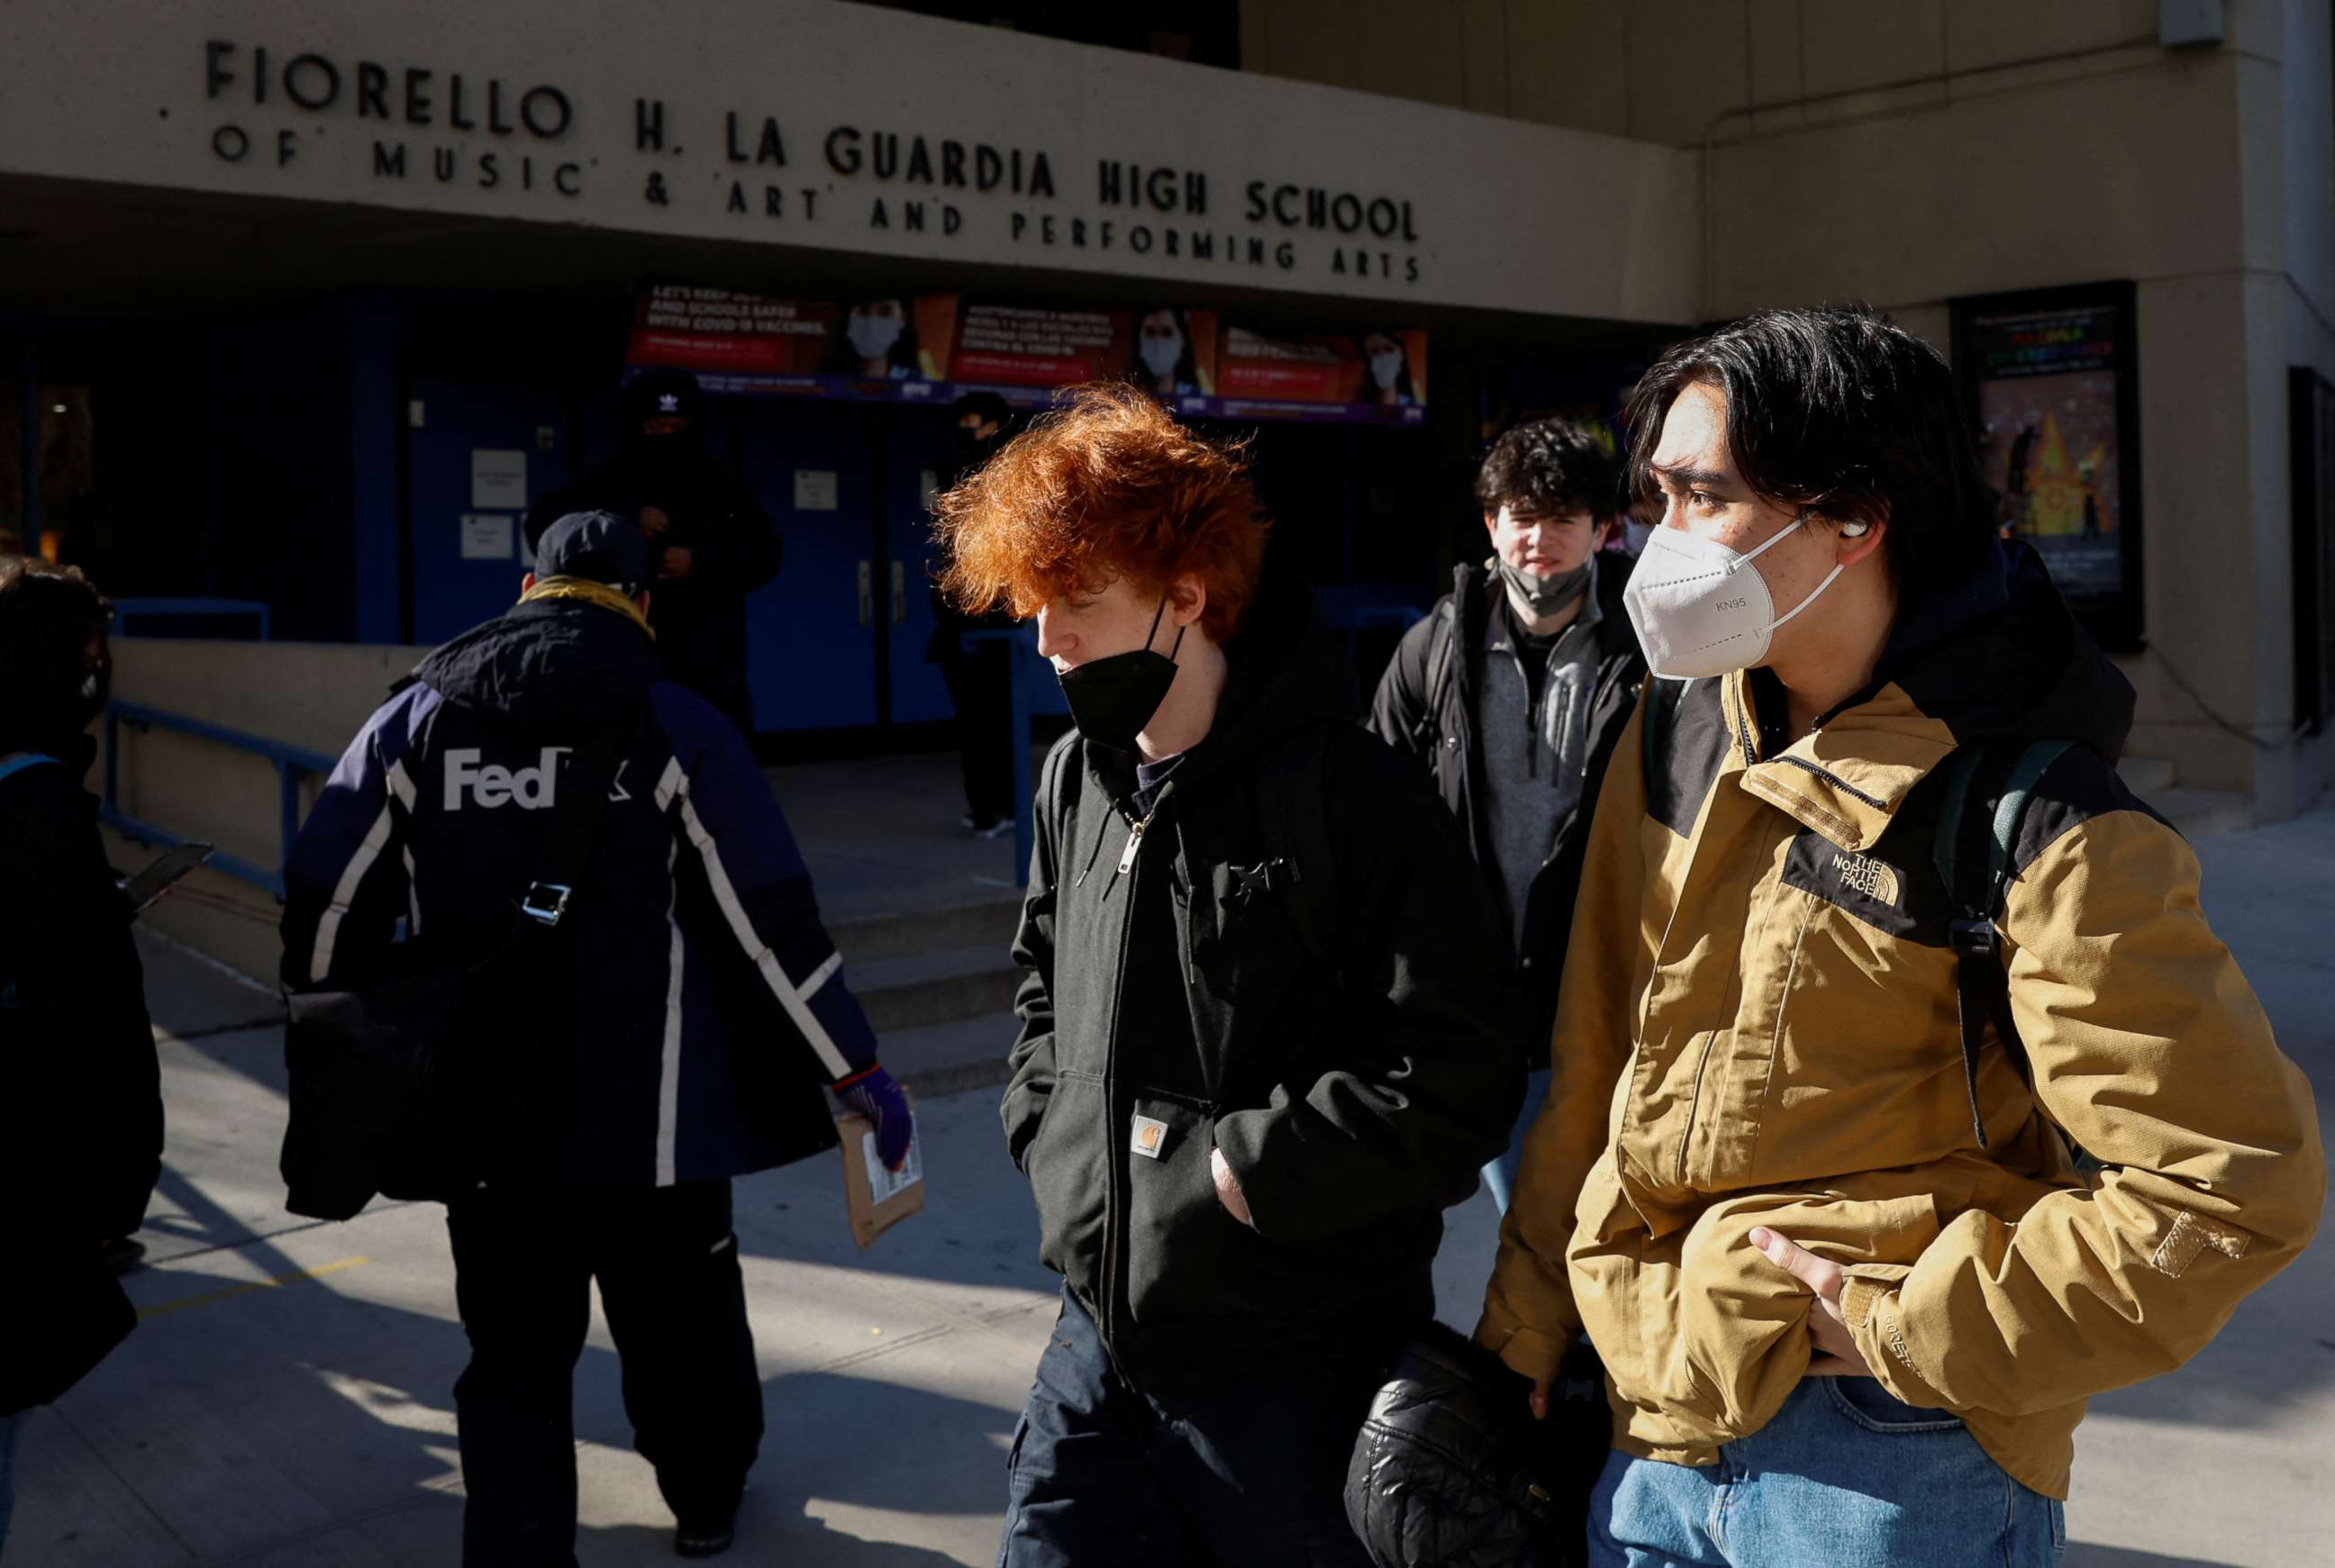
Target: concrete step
[
  {"x": 950, "y": 1057},
  {"x": 865, "y": 938},
  {"x": 947, "y": 986},
  {"x": 2202, "y": 813},
  {"x": 2146, "y": 776}
]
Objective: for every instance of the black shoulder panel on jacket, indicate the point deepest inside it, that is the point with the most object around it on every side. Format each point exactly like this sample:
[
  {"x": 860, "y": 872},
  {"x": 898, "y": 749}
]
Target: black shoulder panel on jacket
[
  {"x": 1693, "y": 743},
  {"x": 2079, "y": 786}
]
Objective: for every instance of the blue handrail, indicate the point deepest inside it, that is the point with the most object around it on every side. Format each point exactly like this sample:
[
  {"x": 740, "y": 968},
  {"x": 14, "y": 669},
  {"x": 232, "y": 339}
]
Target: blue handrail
[{"x": 291, "y": 763}]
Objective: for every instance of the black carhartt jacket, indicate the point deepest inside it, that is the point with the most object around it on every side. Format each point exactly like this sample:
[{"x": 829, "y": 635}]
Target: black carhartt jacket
[
  {"x": 1293, "y": 963},
  {"x": 1426, "y": 709}
]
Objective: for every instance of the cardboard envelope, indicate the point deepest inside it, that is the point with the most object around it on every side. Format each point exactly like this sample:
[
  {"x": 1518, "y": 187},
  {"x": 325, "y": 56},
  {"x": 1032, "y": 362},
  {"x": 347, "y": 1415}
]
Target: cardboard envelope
[{"x": 876, "y": 1199}]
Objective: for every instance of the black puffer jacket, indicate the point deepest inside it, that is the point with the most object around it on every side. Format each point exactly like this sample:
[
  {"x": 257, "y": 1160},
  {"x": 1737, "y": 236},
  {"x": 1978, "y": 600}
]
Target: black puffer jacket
[
  {"x": 1296, "y": 965},
  {"x": 1451, "y": 1471}
]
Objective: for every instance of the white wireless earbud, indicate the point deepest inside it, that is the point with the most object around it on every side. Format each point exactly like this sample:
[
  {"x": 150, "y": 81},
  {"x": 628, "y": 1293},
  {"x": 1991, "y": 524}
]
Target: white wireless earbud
[{"x": 1855, "y": 530}]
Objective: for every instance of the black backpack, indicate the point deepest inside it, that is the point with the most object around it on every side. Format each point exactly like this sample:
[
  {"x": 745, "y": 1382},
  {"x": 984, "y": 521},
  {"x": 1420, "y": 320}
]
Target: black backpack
[{"x": 1977, "y": 839}]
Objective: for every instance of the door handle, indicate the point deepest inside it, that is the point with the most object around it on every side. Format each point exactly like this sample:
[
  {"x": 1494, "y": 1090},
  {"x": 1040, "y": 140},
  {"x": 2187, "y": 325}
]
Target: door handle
[
  {"x": 899, "y": 593},
  {"x": 867, "y": 593}
]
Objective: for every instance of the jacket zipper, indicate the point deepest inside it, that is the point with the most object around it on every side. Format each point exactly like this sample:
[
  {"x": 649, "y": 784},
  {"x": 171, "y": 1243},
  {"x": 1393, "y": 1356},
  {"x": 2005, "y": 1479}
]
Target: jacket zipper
[
  {"x": 1114, "y": 1258},
  {"x": 1108, "y": 1307},
  {"x": 1134, "y": 831},
  {"x": 1836, "y": 781}
]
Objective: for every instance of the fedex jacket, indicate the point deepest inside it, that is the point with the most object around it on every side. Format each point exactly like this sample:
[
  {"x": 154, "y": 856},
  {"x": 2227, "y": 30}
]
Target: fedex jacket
[{"x": 696, "y": 1005}]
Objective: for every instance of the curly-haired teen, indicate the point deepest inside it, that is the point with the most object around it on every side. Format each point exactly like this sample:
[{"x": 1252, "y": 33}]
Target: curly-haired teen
[
  {"x": 1259, "y": 1050},
  {"x": 1513, "y": 692},
  {"x": 81, "y": 1109}
]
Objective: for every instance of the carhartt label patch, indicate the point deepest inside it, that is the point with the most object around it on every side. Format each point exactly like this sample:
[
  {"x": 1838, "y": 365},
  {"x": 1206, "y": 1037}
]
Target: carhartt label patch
[
  {"x": 1151, "y": 1137},
  {"x": 1872, "y": 877}
]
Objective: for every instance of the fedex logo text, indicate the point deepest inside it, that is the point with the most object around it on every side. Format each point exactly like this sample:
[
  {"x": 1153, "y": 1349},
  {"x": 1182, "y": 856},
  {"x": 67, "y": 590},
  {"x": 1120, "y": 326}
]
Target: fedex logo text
[{"x": 533, "y": 789}]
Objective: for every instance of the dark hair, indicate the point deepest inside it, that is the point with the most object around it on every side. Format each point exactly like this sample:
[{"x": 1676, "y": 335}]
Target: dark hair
[
  {"x": 988, "y": 405},
  {"x": 48, "y": 613},
  {"x": 1838, "y": 411},
  {"x": 1552, "y": 465}
]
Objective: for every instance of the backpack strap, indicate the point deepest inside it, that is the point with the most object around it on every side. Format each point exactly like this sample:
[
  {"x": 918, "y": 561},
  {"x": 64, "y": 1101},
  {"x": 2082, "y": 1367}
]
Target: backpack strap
[
  {"x": 1440, "y": 644},
  {"x": 16, "y": 763},
  {"x": 1976, "y": 874},
  {"x": 576, "y": 821}
]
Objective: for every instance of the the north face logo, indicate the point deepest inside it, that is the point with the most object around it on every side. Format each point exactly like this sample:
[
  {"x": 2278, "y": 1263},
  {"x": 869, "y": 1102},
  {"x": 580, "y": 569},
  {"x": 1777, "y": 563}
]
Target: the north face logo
[
  {"x": 1869, "y": 876},
  {"x": 532, "y": 788}
]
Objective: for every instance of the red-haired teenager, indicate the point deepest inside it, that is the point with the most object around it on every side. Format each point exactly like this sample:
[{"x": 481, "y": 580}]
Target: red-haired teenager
[{"x": 1260, "y": 1049}]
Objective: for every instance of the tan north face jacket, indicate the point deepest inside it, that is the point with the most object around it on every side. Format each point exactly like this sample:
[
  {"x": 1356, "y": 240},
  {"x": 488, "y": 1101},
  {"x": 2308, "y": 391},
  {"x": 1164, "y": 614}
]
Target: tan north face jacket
[{"x": 1759, "y": 1026}]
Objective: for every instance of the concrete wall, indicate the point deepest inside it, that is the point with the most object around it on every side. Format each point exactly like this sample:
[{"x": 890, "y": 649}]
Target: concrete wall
[
  {"x": 1910, "y": 151},
  {"x": 1667, "y": 70},
  {"x": 313, "y": 695},
  {"x": 1507, "y": 214}
]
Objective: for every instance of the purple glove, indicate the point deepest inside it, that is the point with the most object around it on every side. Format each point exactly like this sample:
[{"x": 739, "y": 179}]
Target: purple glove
[{"x": 875, "y": 1095}]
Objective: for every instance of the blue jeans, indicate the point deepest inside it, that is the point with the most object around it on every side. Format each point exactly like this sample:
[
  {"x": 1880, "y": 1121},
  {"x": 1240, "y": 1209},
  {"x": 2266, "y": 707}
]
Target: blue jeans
[
  {"x": 1500, "y": 1176},
  {"x": 7, "y": 1473},
  {"x": 1845, "y": 1473}
]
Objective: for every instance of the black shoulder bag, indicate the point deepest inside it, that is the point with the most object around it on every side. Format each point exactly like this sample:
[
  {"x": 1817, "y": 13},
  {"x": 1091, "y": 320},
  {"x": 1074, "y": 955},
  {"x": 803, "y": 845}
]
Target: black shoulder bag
[{"x": 372, "y": 1077}]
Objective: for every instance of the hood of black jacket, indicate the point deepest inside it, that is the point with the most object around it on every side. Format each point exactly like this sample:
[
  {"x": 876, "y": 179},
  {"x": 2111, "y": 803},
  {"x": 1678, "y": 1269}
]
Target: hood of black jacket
[
  {"x": 1999, "y": 657},
  {"x": 553, "y": 664},
  {"x": 1288, "y": 671}
]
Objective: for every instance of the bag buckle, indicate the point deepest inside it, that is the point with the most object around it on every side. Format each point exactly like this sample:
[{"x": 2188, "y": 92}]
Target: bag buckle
[
  {"x": 1971, "y": 938},
  {"x": 544, "y": 902}
]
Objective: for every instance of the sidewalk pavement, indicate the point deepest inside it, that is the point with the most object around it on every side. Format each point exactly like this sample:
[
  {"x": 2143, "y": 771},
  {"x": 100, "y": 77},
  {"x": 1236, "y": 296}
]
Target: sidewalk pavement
[{"x": 287, "y": 1399}]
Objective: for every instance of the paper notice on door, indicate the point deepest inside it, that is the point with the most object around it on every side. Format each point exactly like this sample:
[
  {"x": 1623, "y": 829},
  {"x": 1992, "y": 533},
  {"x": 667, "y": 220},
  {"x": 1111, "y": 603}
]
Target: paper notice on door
[
  {"x": 815, "y": 489},
  {"x": 499, "y": 478},
  {"x": 875, "y": 1199},
  {"x": 486, "y": 535}
]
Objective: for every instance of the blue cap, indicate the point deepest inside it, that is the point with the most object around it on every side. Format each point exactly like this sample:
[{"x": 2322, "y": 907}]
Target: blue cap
[{"x": 600, "y": 547}]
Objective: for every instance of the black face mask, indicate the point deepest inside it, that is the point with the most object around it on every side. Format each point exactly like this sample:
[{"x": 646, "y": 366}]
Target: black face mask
[{"x": 1113, "y": 699}]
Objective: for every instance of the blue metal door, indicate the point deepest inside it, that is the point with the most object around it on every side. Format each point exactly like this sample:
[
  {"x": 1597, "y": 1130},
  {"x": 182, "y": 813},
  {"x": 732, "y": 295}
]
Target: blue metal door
[
  {"x": 479, "y": 454},
  {"x": 918, "y": 455},
  {"x": 811, "y": 630}
]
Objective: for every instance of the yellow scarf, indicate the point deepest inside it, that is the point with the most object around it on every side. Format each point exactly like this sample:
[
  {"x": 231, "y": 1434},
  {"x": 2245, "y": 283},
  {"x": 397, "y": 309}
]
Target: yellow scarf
[{"x": 590, "y": 593}]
